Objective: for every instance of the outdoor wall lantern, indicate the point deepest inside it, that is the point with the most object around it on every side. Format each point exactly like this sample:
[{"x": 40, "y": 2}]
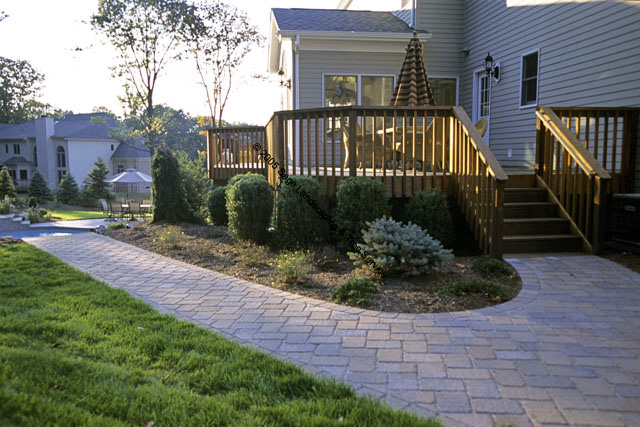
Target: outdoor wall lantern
[
  {"x": 491, "y": 68},
  {"x": 283, "y": 82}
]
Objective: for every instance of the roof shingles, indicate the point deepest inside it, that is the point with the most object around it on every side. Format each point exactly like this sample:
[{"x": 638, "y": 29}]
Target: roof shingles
[{"x": 330, "y": 20}]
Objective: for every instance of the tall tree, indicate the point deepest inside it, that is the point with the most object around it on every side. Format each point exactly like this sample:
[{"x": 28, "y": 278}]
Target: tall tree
[
  {"x": 6, "y": 184},
  {"x": 218, "y": 39},
  {"x": 146, "y": 34},
  {"x": 38, "y": 188},
  {"x": 20, "y": 86},
  {"x": 95, "y": 187},
  {"x": 68, "y": 191}
]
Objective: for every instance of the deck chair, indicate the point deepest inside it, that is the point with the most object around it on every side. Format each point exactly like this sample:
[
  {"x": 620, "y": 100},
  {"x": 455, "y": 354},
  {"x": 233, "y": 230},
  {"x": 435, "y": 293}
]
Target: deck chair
[
  {"x": 106, "y": 211},
  {"x": 116, "y": 209},
  {"x": 362, "y": 149},
  {"x": 145, "y": 211}
]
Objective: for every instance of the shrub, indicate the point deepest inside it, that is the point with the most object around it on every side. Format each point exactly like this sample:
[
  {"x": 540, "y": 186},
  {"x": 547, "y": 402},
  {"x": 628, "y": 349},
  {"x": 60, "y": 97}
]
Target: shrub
[
  {"x": 33, "y": 215},
  {"x": 249, "y": 206},
  {"x": 171, "y": 238},
  {"x": 32, "y": 202},
  {"x": 298, "y": 224},
  {"x": 38, "y": 188},
  {"x": 6, "y": 184},
  {"x": 95, "y": 187},
  {"x": 196, "y": 182},
  {"x": 67, "y": 191},
  {"x": 6, "y": 205},
  {"x": 355, "y": 292},
  {"x": 167, "y": 190},
  {"x": 218, "y": 206},
  {"x": 475, "y": 286},
  {"x": 430, "y": 210},
  {"x": 399, "y": 249},
  {"x": 116, "y": 226},
  {"x": 359, "y": 200},
  {"x": 292, "y": 267},
  {"x": 251, "y": 254},
  {"x": 491, "y": 267}
]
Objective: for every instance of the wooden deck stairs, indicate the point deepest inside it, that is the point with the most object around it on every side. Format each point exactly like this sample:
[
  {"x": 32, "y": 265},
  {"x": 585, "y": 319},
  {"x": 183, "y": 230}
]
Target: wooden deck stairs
[{"x": 532, "y": 222}]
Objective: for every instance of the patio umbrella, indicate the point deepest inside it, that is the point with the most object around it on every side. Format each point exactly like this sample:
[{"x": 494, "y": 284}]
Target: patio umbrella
[
  {"x": 130, "y": 176},
  {"x": 413, "y": 87}
]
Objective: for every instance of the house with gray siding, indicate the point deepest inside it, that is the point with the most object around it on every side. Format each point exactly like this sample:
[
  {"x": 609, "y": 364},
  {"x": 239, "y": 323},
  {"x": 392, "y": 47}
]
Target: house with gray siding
[{"x": 549, "y": 53}]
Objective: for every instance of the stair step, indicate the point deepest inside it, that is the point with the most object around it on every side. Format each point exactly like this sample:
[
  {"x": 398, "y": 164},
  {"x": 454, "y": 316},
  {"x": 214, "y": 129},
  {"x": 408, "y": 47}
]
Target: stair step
[
  {"x": 521, "y": 181},
  {"x": 542, "y": 243},
  {"x": 16, "y": 219},
  {"x": 26, "y": 222},
  {"x": 529, "y": 209},
  {"x": 525, "y": 194},
  {"x": 529, "y": 226}
]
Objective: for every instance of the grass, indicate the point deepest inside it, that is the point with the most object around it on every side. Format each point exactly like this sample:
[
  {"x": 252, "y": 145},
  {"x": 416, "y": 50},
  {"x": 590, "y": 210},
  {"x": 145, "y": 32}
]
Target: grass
[
  {"x": 71, "y": 214},
  {"x": 74, "y": 351}
]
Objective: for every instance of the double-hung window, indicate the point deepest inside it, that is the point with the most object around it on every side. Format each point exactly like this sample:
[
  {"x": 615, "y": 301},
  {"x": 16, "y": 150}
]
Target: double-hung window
[{"x": 529, "y": 82}]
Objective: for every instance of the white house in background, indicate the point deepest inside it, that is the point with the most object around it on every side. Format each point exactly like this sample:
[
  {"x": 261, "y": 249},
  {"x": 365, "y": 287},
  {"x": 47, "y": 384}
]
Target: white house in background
[
  {"x": 70, "y": 145},
  {"x": 549, "y": 53}
]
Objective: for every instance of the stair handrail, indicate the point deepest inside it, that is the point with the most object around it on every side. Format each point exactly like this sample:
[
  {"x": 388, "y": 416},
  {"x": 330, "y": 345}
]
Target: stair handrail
[
  {"x": 476, "y": 139},
  {"x": 570, "y": 142}
]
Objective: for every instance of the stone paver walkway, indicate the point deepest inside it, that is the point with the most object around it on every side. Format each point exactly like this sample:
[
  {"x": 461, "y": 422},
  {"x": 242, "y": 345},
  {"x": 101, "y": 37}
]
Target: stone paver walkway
[{"x": 565, "y": 351}]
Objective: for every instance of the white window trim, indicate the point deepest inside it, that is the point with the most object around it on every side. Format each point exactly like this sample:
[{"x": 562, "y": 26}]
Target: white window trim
[
  {"x": 358, "y": 83},
  {"x": 533, "y": 105},
  {"x": 441, "y": 76},
  {"x": 474, "y": 97}
]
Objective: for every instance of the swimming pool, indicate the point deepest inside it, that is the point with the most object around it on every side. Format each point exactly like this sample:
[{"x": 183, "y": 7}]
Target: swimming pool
[{"x": 43, "y": 232}]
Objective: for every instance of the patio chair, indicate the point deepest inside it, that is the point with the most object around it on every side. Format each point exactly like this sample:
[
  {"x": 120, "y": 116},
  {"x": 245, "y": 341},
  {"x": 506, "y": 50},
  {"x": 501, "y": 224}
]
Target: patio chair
[
  {"x": 106, "y": 210},
  {"x": 117, "y": 209},
  {"x": 146, "y": 210},
  {"x": 134, "y": 209},
  {"x": 369, "y": 146}
]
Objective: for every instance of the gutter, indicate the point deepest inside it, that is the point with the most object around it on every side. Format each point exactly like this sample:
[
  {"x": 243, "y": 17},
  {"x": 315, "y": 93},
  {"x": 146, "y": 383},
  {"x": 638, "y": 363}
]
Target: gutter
[{"x": 424, "y": 35}]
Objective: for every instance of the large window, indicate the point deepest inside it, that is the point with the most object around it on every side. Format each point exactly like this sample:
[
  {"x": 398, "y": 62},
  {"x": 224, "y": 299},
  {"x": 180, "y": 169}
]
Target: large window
[
  {"x": 444, "y": 91},
  {"x": 23, "y": 175},
  {"x": 529, "y": 88},
  {"x": 340, "y": 90},
  {"x": 62, "y": 159},
  {"x": 16, "y": 148},
  {"x": 376, "y": 90}
]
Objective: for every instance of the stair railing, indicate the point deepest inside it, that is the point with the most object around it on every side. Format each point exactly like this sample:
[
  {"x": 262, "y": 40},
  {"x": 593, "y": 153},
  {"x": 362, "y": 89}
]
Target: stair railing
[
  {"x": 576, "y": 181},
  {"x": 479, "y": 182}
]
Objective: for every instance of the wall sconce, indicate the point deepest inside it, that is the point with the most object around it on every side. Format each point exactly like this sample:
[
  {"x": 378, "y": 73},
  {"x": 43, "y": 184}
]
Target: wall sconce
[
  {"x": 283, "y": 82},
  {"x": 490, "y": 68}
]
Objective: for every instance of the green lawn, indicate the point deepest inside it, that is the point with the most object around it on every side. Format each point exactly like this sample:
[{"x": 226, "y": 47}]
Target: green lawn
[
  {"x": 74, "y": 351},
  {"x": 69, "y": 214}
]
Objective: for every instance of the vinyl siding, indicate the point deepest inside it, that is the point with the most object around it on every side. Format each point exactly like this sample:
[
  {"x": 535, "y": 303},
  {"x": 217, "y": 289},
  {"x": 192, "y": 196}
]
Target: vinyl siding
[
  {"x": 403, "y": 15},
  {"x": 589, "y": 56},
  {"x": 445, "y": 22}
]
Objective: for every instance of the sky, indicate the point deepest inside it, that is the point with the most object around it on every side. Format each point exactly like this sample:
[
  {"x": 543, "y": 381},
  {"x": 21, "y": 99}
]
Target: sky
[{"x": 47, "y": 32}]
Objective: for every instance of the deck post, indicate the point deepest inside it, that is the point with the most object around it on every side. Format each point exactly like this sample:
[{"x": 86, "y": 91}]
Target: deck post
[
  {"x": 539, "y": 148},
  {"x": 600, "y": 192},
  {"x": 497, "y": 222},
  {"x": 353, "y": 117}
]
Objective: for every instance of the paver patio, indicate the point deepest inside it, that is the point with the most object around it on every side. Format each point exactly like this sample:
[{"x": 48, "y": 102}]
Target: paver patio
[{"x": 565, "y": 351}]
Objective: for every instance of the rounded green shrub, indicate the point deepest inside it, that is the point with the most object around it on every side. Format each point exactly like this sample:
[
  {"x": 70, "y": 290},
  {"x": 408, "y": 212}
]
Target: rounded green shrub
[
  {"x": 491, "y": 267},
  {"x": 217, "y": 205},
  {"x": 355, "y": 291},
  {"x": 359, "y": 200},
  {"x": 298, "y": 223},
  {"x": 32, "y": 202},
  {"x": 249, "y": 207},
  {"x": 430, "y": 210}
]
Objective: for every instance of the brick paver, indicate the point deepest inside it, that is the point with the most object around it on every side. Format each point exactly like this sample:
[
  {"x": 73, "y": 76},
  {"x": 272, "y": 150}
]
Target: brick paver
[{"x": 565, "y": 351}]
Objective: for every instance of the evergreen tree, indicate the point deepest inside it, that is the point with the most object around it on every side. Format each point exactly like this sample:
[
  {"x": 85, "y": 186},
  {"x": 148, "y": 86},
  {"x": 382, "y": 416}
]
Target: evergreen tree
[
  {"x": 68, "y": 192},
  {"x": 95, "y": 187},
  {"x": 39, "y": 189},
  {"x": 6, "y": 184},
  {"x": 167, "y": 190}
]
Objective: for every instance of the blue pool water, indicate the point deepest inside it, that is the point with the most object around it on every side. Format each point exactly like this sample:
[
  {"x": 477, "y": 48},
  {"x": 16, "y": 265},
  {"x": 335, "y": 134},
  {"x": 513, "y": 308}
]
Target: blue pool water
[{"x": 42, "y": 232}]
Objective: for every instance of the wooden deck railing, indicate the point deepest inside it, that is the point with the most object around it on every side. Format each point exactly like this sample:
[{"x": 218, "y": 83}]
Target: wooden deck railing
[
  {"x": 573, "y": 176},
  {"x": 479, "y": 183},
  {"x": 610, "y": 135},
  {"x": 230, "y": 151},
  {"x": 406, "y": 148}
]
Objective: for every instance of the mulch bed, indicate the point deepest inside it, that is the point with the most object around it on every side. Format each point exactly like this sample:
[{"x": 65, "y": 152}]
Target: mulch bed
[{"x": 211, "y": 247}]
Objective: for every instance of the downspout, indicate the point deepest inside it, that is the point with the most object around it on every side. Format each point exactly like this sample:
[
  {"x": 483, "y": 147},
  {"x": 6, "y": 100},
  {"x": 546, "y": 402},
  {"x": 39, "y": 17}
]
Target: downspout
[
  {"x": 296, "y": 71},
  {"x": 413, "y": 14}
]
